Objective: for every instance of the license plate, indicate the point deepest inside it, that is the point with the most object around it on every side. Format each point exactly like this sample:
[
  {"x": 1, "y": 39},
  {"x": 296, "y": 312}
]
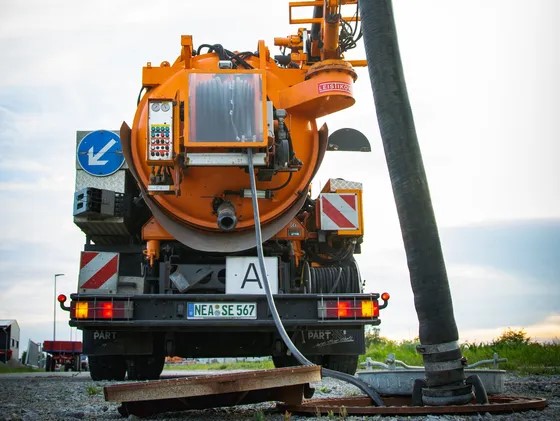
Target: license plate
[{"x": 221, "y": 310}]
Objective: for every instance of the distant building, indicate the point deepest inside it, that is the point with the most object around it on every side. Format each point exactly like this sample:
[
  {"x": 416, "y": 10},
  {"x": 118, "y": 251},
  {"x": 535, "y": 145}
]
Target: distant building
[
  {"x": 9, "y": 340},
  {"x": 34, "y": 356}
]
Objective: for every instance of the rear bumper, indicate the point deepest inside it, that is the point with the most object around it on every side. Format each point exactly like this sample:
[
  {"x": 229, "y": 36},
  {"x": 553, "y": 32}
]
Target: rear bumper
[{"x": 169, "y": 312}]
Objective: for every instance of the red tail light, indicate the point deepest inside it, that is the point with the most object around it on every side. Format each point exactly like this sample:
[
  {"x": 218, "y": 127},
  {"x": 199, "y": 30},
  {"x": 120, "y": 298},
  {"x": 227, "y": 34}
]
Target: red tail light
[
  {"x": 343, "y": 309},
  {"x": 101, "y": 310},
  {"x": 107, "y": 310},
  {"x": 352, "y": 308}
]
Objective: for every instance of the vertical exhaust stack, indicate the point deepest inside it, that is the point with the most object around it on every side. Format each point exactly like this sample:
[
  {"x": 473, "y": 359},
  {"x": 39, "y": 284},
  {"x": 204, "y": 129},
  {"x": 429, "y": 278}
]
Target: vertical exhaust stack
[{"x": 445, "y": 382}]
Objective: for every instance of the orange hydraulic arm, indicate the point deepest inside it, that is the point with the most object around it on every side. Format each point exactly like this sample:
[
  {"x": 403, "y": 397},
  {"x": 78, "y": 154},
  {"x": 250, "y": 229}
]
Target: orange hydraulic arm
[
  {"x": 331, "y": 28},
  {"x": 324, "y": 41}
]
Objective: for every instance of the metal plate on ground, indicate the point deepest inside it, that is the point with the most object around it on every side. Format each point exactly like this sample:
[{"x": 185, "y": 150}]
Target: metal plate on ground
[
  {"x": 402, "y": 406},
  {"x": 401, "y": 381},
  {"x": 148, "y": 398}
]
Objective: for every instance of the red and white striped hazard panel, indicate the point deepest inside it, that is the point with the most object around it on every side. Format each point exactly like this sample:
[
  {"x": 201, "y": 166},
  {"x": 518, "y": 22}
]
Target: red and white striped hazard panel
[
  {"x": 99, "y": 272},
  {"x": 339, "y": 211}
]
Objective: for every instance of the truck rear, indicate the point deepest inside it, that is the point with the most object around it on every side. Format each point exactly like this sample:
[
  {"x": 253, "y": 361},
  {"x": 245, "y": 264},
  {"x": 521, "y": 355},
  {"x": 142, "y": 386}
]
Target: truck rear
[
  {"x": 170, "y": 263},
  {"x": 202, "y": 306},
  {"x": 66, "y": 355}
]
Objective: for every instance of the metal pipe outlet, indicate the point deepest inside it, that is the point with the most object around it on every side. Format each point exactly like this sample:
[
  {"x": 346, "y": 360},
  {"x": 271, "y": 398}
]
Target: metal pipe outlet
[{"x": 227, "y": 220}]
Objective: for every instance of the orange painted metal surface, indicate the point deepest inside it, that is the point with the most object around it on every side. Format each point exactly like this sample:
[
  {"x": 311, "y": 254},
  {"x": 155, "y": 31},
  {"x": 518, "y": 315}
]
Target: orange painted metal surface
[
  {"x": 305, "y": 95},
  {"x": 190, "y": 158}
]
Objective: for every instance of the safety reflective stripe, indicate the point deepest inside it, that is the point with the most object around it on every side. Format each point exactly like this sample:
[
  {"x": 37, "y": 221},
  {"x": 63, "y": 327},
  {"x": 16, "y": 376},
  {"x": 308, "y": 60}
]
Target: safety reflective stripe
[
  {"x": 339, "y": 211},
  {"x": 87, "y": 256},
  {"x": 98, "y": 270}
]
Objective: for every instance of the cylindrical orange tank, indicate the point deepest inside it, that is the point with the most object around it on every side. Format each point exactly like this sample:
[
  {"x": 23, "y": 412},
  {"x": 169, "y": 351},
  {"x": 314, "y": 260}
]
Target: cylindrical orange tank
[{"x": 198, "y": 183}]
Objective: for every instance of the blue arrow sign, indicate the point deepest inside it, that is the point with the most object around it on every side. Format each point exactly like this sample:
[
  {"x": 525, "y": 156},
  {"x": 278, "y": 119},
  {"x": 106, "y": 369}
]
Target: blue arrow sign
[{"x": 100, "y": 153}]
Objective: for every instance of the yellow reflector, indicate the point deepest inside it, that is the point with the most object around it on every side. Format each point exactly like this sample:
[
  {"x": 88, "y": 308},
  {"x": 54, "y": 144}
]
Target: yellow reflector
[
  {"x": 367, "y": 308},
  {"x": 81, "y": 310}
]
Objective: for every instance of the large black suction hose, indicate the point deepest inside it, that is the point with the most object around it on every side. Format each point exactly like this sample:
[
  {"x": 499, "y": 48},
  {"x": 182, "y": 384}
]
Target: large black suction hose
[
  {"x": 428, "y": 277},
  {"x": 272, "y": 306},
  {"x": 432, "y": 296}
]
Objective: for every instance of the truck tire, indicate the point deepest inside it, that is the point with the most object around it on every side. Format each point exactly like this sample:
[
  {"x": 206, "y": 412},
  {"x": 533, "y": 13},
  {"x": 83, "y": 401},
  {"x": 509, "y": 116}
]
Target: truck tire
[
  {"x": 145, "y": 367},
  {"x": 344, "y": 363},
  {"x": 290, "y": 361},
  {"x": 281, "y": 361},
  {"x": 107, "y": 367},
  {"x": 48, "y": 363}
]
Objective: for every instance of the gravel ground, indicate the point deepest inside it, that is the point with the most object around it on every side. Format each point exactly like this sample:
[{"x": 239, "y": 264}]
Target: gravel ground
[{"x": 77, "y": 397}]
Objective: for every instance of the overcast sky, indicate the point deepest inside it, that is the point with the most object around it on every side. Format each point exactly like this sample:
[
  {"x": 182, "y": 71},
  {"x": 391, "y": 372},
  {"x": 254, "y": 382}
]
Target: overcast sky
[{"x": 482, "y": 77}]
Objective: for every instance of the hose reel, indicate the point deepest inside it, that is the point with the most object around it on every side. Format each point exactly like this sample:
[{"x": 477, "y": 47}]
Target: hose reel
[
  {"x": 332, "y": 279},
  {"x": 225, "y": 109}
]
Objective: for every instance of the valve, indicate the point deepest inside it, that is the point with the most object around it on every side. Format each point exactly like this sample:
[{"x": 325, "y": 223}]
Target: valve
[{"x": 152, "y": 251}]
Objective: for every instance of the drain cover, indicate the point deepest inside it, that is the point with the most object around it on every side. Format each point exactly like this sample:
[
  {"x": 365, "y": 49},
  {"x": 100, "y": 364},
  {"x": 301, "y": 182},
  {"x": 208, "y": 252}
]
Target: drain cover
[{"x": 402, "y": 406}]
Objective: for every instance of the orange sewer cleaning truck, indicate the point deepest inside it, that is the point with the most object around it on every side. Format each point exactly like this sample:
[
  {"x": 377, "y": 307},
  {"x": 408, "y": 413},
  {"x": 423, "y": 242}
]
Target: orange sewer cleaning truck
[{"x": 170, "y": 265}]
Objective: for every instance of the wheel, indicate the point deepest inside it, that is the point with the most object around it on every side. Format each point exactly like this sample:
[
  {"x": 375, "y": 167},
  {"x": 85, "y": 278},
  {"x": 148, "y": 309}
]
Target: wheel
[
  {"x": 281, "y": 361},
  {"x": 290, "y": 361},
  {"x": 145, "y": 367},
  {"x": 107, "y": 367},
  {"x": 344, "y": 363},
  {"x": 48, "y": 363}
]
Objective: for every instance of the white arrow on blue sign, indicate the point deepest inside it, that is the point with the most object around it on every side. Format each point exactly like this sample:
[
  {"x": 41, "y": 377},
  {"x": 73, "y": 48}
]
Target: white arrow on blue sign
[{"x": 100, "y": 153}]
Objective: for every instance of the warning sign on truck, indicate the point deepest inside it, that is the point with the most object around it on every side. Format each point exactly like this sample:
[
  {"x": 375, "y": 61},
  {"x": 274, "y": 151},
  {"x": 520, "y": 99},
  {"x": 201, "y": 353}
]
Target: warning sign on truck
[
  {"x": 339, "y": 211},
  {"x": 99, "y": 272}
]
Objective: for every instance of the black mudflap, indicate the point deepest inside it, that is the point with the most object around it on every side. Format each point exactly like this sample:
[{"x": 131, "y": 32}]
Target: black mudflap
[
  {"x": 316, "y": 341},
  {"x": 111, "y": 342}
]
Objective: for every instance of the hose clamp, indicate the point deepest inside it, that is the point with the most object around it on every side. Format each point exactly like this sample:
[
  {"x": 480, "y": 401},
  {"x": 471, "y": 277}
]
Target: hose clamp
[
  {"x": 437, "y": 348},
  {"x": 443, "y": 365}
]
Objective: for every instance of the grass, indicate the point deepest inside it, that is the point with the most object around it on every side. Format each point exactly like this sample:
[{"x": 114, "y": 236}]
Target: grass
[
  {"x": 25, "y": 369},
  {"x": 523, "y": 355},
  {"x": 380, "y": 348},
  {"x": 259, "y": 416},
  {"x": 93, "y": 390},
  {"x": 241, "y": 365},
  {"x": 527, "y": 358},
  {"x": 324, "y": 389}
]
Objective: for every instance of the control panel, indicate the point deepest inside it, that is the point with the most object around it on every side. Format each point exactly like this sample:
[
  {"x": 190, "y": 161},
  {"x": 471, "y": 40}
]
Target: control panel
[{"x": 160, "y": 131}]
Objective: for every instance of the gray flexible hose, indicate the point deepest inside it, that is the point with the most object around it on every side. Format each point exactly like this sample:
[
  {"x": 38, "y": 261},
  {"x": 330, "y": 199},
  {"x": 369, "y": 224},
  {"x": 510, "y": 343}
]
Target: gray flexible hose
[{"x": 272, "y": 306}]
